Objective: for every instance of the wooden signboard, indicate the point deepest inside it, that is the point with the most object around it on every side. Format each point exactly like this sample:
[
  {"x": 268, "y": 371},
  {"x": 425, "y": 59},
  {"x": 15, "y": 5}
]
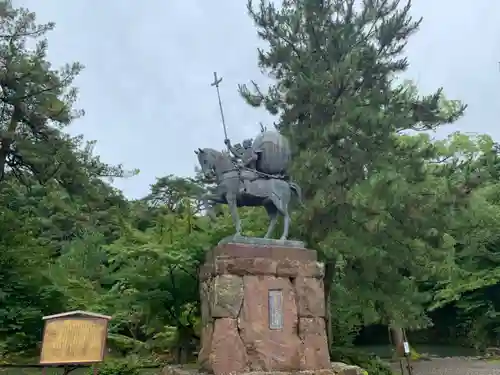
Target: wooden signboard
[{"x": 75, "y": 337}]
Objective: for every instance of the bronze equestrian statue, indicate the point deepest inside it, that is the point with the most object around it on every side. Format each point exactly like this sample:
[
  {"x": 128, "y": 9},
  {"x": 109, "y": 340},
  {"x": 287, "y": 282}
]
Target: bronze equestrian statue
[{"x": 254, "y": 174}]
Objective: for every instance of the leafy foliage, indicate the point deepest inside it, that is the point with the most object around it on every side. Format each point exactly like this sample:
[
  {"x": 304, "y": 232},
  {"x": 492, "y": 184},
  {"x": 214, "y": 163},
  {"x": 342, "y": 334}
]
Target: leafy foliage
[
  {"x": 371, "y": 364},
  {"x": 117, "y": 367}
]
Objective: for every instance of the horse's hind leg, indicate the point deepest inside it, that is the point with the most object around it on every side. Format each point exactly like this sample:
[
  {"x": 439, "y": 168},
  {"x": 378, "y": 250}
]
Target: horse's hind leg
[
  {"x": 286, "y": 224},
  {"x": 282, "y": 208},
  {"x": 272, "y": 211},
  {"x": 281, "y": 198}
]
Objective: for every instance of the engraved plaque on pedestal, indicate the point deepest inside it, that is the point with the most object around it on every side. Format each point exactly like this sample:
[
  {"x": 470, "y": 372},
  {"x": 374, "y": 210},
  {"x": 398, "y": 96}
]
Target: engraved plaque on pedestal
[{"x": 275, "y": 309}]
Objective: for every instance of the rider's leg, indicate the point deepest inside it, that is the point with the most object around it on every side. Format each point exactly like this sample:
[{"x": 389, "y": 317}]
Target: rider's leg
[
  {"x": 247, "y": 185},
  {"x": 243, "y": 186}
]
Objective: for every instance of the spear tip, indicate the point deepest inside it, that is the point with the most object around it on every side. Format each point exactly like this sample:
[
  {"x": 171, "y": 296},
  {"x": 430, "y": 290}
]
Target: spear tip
[{"x": 216, "y": 80}]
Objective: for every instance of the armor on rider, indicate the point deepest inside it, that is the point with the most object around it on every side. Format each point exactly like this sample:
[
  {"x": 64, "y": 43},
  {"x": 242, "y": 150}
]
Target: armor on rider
[
  {"x": 244, "y": 154},
  {"x": 245, "y": 157}
]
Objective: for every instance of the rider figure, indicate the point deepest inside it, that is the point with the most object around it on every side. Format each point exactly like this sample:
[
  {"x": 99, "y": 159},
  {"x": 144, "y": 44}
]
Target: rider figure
[{"x": 245, "y": 157}]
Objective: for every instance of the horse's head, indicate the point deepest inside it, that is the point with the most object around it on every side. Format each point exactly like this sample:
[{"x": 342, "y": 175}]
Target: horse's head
[{"x": 206, "y": 158}]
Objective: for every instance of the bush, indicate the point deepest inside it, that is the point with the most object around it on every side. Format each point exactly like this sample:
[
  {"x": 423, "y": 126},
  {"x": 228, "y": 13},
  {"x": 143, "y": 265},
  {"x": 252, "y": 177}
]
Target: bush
[
  {"x": 117, "y": 367},
  {"x": 371, "y": 363}
]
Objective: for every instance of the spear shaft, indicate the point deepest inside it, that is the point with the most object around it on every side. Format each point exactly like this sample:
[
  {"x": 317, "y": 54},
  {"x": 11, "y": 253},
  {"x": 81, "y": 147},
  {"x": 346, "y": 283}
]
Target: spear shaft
[{"x": 216, "y": 83}]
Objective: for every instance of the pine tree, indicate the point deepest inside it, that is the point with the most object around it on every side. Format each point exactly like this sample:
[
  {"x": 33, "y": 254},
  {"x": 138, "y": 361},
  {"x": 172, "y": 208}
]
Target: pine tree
[
  {"x": 340, "y": 99},
  {"x": 36, "y": 99},
  {"x": 36, "y": 104}
]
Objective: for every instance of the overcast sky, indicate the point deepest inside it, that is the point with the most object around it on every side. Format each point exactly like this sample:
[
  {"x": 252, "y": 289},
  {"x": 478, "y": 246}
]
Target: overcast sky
[{"x": 146, "y": 87}]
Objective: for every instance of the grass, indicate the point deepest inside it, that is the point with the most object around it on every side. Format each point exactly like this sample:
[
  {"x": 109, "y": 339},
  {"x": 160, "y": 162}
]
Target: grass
[
  {"x": 59, "y": 371},
  {"x": 38, "y": 371}
]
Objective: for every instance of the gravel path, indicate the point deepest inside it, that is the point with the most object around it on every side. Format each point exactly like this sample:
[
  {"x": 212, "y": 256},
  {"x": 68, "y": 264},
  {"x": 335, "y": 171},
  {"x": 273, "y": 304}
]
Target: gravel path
[{"x": 454, "y": 366}]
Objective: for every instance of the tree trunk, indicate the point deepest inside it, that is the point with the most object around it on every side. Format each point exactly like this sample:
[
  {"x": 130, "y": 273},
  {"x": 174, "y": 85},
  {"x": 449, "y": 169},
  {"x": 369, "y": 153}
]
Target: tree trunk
[
  {"x": 398, "y": 339},
  {"x": 328, "y": 280},
  {"x": 7, "y": 140},
  {"x": 183, "y": 355}
]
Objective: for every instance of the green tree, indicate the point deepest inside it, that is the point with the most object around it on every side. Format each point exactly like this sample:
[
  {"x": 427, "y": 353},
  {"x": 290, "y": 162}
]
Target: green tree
[
  {"x": 26, "y": 293},
  {"x": 41, "y": 227},
  {"x": 154, "y": 264},
  {"x": 469, "y": 297},
  {"x": 175, "y": 193},
  {"x": 36, "y": 99}
]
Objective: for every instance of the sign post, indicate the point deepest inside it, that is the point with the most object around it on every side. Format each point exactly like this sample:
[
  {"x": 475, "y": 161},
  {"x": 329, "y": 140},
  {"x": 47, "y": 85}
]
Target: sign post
[{"x": 74, "y": 338}]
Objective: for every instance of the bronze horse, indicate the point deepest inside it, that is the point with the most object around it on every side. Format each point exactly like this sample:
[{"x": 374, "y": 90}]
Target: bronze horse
[{"x": 273, "y": 194}]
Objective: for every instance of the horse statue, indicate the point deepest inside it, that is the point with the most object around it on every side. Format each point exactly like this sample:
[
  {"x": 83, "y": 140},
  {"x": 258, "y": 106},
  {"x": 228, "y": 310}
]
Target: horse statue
[{"x": 239, "y": 185}]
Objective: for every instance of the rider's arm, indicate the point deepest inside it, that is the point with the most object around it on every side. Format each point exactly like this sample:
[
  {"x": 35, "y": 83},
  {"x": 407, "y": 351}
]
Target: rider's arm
[
  {"x": 230, "y": 147},
  {"x": 233, "y": 150},
  {"x": 254, "y": 156},
  {"x": 236, "y": 151}
]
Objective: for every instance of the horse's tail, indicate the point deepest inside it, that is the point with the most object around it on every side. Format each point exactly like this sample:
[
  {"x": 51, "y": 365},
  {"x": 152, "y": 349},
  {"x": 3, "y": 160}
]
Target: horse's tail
[{"x": 298, "y": 192}]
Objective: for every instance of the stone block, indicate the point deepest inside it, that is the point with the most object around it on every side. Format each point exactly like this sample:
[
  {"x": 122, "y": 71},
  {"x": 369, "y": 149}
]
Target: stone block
[
  {"x": 314, "y": 344},
  {"x": 227, "y": 353},
  {"x": 296, "y": 268},
  {"x": 245, "y": 266},
  {"x": 267, "y": 348},
  {"x": 310, "y": 297},
  {"x": 227, "y": 296},
  {"x": 235, "y": 250}
]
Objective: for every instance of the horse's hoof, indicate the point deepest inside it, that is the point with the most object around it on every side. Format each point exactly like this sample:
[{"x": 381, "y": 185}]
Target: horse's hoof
[{"x": 282, "y": 238}]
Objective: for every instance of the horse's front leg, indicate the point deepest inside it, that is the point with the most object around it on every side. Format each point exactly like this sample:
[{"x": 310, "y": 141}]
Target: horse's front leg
[
  {"x": 208, "y": 201},
  {"x": 233, "y": 208}
]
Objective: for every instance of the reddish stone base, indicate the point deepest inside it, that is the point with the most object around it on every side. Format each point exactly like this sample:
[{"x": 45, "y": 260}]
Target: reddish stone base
[
  {"x": 336, "y": 369},
  {"x": 236, "y": 336}
]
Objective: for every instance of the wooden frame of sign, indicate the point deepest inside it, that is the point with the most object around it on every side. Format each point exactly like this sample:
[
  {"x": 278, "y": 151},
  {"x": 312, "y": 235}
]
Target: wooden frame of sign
[{"x": 74, "y": 338}]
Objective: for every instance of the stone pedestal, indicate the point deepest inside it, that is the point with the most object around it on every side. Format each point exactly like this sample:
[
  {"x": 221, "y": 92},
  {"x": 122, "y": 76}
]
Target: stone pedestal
[{"x": 262, "y": 309}]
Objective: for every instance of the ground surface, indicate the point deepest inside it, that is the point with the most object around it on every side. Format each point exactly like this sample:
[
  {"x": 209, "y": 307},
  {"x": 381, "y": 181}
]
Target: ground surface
[
  {"x": 52, "y": 371},
  {"x": 453, "y": 366},
  {"x": 439, "y": 366}
]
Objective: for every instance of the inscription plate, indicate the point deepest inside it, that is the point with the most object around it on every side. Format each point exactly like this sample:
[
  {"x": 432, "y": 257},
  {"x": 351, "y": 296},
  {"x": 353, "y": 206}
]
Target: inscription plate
[
  {"x": 275, "y": 309},
  {"x": 74, "y": 340}
]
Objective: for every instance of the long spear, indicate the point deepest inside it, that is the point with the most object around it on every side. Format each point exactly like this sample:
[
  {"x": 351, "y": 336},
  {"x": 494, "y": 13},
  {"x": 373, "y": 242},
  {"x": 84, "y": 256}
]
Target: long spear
[{"x": 216, "y": 83}]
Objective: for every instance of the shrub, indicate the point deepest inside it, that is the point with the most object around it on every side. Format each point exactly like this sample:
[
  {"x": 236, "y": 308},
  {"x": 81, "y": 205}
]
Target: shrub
[
  {"x": 117, "y": 367},
  {"x": 371, "y": 363}
]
